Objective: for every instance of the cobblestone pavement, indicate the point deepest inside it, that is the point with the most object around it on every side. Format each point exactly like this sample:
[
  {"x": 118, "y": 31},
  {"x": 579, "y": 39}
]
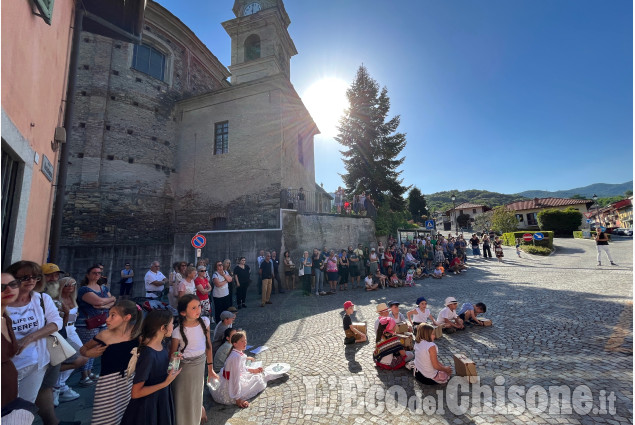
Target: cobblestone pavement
[{"x": 558, "y": 321}]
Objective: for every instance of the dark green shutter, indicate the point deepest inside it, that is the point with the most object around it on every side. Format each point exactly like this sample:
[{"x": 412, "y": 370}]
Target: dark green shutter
[{"x": 46, "y": 9}]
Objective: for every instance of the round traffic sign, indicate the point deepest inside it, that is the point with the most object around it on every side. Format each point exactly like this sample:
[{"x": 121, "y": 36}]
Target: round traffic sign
[
  {"x": 527, "y": 237},
  {"x": 539, "y": 236},
  {"x": 199, "y": 241}
]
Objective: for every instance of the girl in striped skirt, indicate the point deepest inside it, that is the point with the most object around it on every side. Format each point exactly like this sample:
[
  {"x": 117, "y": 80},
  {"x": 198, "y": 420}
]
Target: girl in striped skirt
[{"x": 114, "y": 345}]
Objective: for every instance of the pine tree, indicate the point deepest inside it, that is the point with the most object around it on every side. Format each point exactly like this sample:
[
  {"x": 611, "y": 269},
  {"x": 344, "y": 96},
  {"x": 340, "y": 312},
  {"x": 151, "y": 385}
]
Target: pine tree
[
  {"x": 417, "y": 204},
  {"x": 371, "y": 143}
]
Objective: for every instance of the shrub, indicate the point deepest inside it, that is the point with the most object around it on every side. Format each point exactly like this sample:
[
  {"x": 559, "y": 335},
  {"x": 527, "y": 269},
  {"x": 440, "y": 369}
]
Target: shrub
[
  {"x": 577, "y": 234},
  {"x": 561, "y": 222},
  {"x": 509, "y": 239},
  {"x": 504, "y": 220},
  {"x": 536, "y": 250}
]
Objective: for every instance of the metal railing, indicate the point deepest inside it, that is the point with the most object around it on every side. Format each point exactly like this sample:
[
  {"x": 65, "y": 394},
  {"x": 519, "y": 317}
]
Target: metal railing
[{"x": 316, "y": 202}]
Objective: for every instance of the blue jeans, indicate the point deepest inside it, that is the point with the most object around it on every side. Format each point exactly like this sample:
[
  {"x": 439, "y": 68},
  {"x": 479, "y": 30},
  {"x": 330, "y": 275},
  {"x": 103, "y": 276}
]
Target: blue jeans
[{"x": 319, "y": 280}]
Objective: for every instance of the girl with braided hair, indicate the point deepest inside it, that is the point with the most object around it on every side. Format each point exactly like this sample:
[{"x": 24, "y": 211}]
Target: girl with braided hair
[{"x": 192, "y": 339}]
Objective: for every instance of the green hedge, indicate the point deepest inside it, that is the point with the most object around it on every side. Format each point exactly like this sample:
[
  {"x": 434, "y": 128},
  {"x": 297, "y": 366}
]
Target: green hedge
[
  {"x": 536, "y": 250},
  {"x": 509, "y": 239},
  {"x": 577, "y": 234}
]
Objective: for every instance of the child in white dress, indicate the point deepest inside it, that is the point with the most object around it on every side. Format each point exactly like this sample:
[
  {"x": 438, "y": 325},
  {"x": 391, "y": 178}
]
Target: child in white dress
[{"x": 238, "y": 383}]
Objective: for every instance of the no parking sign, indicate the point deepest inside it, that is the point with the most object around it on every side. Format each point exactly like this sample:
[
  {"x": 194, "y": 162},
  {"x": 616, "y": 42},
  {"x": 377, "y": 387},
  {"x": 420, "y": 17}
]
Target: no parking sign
[{"x": 199, "y": 241}]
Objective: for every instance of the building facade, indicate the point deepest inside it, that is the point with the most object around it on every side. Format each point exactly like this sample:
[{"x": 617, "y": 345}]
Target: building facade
[
  {"x": 34, "y": 78},
  {"x": 527, "y": 211},
  {"x": 166, "y": 146}
]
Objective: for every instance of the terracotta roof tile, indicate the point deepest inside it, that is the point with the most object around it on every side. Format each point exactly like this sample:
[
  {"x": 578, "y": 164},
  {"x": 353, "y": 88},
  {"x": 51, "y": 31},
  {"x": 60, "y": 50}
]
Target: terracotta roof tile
[{"x": 535, "y": 203}]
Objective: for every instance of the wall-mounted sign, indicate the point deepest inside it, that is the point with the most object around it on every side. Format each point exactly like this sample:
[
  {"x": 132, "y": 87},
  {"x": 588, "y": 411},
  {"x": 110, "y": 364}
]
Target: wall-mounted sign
[{"x": 47, "y": 168}]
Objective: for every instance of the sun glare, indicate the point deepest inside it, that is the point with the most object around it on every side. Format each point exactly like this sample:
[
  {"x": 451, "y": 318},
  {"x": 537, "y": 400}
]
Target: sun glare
[{"x": 326, "y": 101}]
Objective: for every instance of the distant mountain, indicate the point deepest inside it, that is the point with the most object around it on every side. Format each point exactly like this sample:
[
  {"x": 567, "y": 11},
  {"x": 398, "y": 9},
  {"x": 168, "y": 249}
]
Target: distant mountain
[
  {"x": 442, "y": 201},
  {"x": 602, "y": 190}
]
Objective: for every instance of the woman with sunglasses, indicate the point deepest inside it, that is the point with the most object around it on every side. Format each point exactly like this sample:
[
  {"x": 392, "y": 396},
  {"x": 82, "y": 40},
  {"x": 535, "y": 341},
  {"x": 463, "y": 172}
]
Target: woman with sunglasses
[
  {"x": 93, "y": 302},
  {"x": 67, "y": 297},
  {"x": 34, "y": 318},
  {"x": 10, "y": 290}
]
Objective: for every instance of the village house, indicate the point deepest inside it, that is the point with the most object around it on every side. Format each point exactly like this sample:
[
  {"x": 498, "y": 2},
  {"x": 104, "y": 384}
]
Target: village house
[{"x": 527, "y": 211}]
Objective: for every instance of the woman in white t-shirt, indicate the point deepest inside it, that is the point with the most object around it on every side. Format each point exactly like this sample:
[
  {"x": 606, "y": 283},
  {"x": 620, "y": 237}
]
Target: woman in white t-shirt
[
  {"x": 428, "y": 368},
  {"x": 192, "y": 339},
  {"x": 220, "y": 293},
  {"x": 187, "y": 285},
  {"x": 34, "y": 317}
]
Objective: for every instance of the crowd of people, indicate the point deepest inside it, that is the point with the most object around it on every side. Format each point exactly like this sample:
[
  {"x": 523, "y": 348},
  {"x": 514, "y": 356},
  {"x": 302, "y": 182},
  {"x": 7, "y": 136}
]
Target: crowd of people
[{"x": 138, "y": 381}]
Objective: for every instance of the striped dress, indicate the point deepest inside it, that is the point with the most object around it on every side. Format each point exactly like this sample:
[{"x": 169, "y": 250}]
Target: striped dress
[{"x": 112, "y": 393}]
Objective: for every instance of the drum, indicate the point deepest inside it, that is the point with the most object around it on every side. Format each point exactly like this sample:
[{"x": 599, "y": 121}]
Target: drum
[
  {"x": 401, "y": 328},
  {"x": 407, "y": 340},
  {"x": 360, "y": 326}
]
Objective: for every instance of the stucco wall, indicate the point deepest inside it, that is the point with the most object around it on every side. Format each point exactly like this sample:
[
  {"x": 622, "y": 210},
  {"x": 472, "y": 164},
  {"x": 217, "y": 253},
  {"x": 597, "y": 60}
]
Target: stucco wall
[{"x": 305, "y": 232}]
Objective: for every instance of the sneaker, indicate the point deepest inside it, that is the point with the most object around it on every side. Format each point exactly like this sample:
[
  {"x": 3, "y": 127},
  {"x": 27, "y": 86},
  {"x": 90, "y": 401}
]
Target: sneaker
[
  {"x": 93, "y": 377},
  {"x": 322, "y": 293},
  {"x": 410, "y": 365},
  {"x": 56, "y": 397},
  {"x": 317, "y": 294},
  {"x": 613, "y": 264},
  {"x": 86, "y": 382},
  {"x": 68, "y": 395},
  {"x": 454, "y": 272}
]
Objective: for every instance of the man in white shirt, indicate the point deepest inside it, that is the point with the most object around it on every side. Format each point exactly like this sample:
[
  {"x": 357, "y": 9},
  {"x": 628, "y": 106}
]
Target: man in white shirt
[
  {"x": 448, "y": 317},
  {"x": 154, "y": 281}
]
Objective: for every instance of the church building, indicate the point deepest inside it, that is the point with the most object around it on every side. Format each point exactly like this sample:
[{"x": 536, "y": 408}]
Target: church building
[{"x": 169, "y": 142}]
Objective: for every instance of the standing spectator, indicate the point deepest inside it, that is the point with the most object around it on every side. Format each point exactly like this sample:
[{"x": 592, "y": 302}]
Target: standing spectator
[
  {"x": 266, "y": 273},
  {"x": 203, "y": 288},
  {"x": 242, "y": 274},
  {"x": 354, "y": 267},
  {"x": 602, "y": 244},
  {"x": 317, "y": 269},
  {"x": 67, "y": 297},
  {"x": 331, "y": 271},
  {"x": 306, "y": 264},
  {"x": 498, "y": 249},
  {"x": 362, "y": 260},
  {"x": 342, "y": 269},
  {"x": 220, "y": 293},
  {"x": 487, "y": 253},
  {"x": 227, "y": 266},
  {"x": 93, "y": 301},
  {"x": 155, "y": 281},
  {"x": 276, "y": 273},
  {"x": 14, "y": 410},
  {"x": 176, "y": 276},
  {"x": 475, "y": 242},
  {"x": 373, "y": 261},
  {"x": 125, "y": 284},
  {"x": 289, "y": 271},
  {"x": 339, "y": 196},
  {"x": 34, "y": 318},
  {"x": 362, "y": 203},
  {"x": 261, "y": 258}
]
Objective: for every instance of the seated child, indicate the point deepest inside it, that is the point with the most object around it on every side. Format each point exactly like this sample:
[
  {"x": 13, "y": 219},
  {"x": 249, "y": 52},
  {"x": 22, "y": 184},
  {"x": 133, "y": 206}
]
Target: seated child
[
  {"x": 429, "y": 370},
  {"x": 420, "y": 314},
  {"x": 370, "y": 283},
  {"x": 468, "y": 313},
  {"x": 410, "y": 275},
  {"x": 351, "y": 334},
  {"x": 419, "y": 273},
  {"x": 393, "y": 279},
  {"x": 439, "y": 271},
  {"x": 223, "y": 351},
  {"x": 396, "y": 315},
  {"x": 448, "y": 317},
  {"x": 456, "y": 265},
  {"x": 389, "y": 353}
]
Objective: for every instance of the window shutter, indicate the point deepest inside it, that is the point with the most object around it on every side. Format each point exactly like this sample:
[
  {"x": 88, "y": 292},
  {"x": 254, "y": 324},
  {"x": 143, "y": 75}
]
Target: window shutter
[{"x": 46, "y": 9}]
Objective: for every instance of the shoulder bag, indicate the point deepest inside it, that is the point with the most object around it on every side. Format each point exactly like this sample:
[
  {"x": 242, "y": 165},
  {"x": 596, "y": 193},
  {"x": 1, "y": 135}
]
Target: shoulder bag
[{"x": 59, "y": 348}]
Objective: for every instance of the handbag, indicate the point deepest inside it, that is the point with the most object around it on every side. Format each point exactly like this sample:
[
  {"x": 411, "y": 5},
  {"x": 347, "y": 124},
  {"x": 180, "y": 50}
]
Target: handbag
[
  {"x": 59, "y": 348},
  {"x": 301, "y": 271},
  {"x": 96, "y": 321}
]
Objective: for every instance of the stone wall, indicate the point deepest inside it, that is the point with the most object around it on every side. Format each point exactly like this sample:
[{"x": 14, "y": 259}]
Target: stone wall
[{"x": 303, "y": 232}]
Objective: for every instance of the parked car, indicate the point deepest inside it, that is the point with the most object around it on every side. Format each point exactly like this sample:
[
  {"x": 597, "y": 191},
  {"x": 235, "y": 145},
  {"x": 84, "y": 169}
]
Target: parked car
[
  {"x": 628, "y": 232},
  {"x": 623, "y": 232}
]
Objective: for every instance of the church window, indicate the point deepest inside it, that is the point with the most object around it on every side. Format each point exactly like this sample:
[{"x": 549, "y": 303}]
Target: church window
[
  {"x": 149, "y": 60},
  {"x": 221, "y": 138},
  {"x": 252, "y": 47},
  {"x": 300, "y": 150}
]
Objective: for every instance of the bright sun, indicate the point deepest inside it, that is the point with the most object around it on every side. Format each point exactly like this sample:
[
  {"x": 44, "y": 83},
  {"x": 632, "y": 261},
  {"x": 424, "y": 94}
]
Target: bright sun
[{"x": 326, "y": 101}]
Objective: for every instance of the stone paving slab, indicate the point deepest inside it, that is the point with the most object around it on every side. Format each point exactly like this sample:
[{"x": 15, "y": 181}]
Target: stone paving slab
[{"x": 558, "y": 321}]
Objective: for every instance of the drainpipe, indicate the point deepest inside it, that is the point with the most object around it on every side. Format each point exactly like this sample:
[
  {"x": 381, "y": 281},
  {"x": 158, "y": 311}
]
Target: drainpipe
[{"x": 56, "y": 226}]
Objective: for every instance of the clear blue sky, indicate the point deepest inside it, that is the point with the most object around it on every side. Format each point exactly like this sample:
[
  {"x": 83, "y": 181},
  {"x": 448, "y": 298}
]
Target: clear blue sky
[{"x": 496, "y": 95}]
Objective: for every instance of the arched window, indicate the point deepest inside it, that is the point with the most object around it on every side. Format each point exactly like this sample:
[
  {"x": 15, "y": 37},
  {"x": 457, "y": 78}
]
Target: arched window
[
  {"x": 149, "y": 60},
  {"x": 252, "y": 47}
]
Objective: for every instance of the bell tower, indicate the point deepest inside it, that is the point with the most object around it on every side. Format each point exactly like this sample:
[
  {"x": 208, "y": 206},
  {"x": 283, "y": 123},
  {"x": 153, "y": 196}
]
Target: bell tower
[{"x": 261, "y": 44}]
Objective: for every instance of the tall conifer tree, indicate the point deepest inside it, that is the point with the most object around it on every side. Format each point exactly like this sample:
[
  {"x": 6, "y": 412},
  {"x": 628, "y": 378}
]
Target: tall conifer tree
[{"x": 371, "y": 143}]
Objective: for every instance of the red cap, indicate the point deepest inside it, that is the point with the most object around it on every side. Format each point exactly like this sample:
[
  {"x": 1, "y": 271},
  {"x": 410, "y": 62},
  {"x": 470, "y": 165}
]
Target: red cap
[{"x": 348, "y": 304}]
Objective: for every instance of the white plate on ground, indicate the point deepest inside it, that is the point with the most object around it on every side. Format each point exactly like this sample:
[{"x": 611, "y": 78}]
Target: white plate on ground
[{"x": 278, "y": 368}]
